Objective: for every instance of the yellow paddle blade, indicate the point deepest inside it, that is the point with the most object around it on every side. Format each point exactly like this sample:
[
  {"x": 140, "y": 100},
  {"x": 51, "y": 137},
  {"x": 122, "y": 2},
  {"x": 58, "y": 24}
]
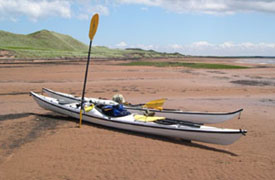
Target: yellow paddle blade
[
  {"x": 147, "y": 118},
  {"x": 93, "y": 26},
  {"x": 155, "y": 104}
]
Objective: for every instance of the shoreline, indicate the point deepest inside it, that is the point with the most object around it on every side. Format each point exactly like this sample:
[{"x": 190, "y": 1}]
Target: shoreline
[{"x": 253, "y": 60}]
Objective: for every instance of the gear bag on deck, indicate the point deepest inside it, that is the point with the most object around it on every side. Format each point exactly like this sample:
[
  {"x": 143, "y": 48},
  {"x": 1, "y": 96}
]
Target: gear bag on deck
[{"x": 115, "y": 110}]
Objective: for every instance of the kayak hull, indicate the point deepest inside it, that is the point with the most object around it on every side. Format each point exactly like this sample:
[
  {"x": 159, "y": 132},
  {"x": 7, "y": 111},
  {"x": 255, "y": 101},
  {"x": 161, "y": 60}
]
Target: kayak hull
[{"x": 195, "y": 133}]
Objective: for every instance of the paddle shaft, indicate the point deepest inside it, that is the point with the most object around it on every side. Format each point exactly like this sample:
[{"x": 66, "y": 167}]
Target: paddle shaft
[{"x": 86, "y": 74}]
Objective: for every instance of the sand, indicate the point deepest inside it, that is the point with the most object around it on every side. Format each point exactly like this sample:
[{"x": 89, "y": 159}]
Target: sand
[{"x": 39, "y": 144}]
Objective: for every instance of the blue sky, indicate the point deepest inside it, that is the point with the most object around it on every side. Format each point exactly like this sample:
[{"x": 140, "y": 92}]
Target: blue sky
[{"x": 192, "y": 27}]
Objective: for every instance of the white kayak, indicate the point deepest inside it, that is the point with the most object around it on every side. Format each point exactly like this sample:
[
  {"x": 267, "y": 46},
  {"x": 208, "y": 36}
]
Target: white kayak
[
  {"x": 189, "y": 116},
  {"x": 139, "y": 123}
]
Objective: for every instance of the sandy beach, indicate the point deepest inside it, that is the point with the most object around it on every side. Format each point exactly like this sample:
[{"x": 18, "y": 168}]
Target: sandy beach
[{"x": 39, "y": 144}]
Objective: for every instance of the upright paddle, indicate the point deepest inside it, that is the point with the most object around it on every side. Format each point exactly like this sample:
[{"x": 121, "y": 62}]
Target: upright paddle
[{"x": 93, "y": 28}]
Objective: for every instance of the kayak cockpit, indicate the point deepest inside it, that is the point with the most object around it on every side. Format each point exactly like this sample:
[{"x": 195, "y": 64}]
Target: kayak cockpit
[{"x": 113, "y": 110}]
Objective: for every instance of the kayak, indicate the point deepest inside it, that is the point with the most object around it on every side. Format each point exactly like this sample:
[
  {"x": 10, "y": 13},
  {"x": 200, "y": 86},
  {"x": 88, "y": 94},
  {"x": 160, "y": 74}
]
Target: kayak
[
  {"x": 189, "y": 116},
  {"x": 161, "y": 126}
]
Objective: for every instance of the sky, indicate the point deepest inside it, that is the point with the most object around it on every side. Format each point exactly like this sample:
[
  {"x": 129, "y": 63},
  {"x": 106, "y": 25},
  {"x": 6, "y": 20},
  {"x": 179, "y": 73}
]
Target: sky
[{"x": 191, "y": 27}]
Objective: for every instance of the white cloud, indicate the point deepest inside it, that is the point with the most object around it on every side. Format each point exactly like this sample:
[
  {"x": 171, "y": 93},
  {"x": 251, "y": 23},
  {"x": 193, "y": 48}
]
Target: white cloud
[
  {"x": 209, "y": 6},
  {"x": 175, "y": 47},
  {"x": 146, "y": 2},
  {"x": 103, "y": 10},
  {"x": 34, "y": 9},
  {"x": 201, "y": 44},
  {"x": 122, "y": 44},
  {"x": 226, "y": 45},
  {"x": 87, "y": 10}
]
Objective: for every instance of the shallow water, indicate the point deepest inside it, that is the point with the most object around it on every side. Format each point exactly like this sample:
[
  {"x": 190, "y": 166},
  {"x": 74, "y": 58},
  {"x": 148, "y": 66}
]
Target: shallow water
[{"x": 257, "y": 61}]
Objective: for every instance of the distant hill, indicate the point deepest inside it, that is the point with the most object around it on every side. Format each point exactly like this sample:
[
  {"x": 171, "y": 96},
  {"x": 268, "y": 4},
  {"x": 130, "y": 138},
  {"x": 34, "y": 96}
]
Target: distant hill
[
  {"x": 50, "y": 44},
  {"x": 43, "y": 39}
]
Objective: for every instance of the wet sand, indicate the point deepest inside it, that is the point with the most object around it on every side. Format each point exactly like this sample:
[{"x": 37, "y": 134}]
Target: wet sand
[{"x": 39, "y": 144}]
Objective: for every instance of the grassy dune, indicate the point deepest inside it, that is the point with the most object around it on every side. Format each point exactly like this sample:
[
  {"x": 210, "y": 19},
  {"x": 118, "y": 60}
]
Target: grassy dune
[
  {"x": 43, "y": 43},
  {"x": 49, "y": 44}
]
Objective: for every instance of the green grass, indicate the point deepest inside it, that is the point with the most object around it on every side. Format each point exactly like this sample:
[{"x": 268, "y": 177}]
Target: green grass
[
  {"x": 49, "y": 44},
  {"x": 44, "y": 43},
  {"x": 43, "y": 39},
  {"x": 184, "y": 64}
]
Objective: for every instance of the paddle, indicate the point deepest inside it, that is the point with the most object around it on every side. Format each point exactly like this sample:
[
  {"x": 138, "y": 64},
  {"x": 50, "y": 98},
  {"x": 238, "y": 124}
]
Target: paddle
[
  {"x": 93, "y": 28},
  {"x": 155, "y": 104}
]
